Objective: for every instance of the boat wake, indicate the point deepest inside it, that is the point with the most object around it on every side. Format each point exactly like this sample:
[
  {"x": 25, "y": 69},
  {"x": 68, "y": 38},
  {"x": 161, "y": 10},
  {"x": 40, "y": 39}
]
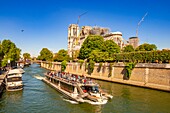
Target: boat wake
[
  {"x": 96, "y": 103},
  {"x": 38, "y": 77},
  {"x": 87, "y": 101},
  {"x": 71, "y": 101}
]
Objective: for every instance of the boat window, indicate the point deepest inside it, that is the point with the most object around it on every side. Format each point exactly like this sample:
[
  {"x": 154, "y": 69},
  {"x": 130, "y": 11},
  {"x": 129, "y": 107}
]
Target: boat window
[
  {"x": 14, "y": 79},
  {"x": 12, "y": 74},
  {"x": 95, "y": 89}
]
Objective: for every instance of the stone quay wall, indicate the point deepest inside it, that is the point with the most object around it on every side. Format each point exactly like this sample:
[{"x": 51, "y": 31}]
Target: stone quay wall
[{"x": 155, "y": 76}]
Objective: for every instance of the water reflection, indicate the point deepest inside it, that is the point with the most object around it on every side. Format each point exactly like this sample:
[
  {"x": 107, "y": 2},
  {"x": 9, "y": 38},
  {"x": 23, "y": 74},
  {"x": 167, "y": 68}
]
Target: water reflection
[
  {"x": 129, "y": 98},
  {"x": 38, "y": 97},
  {"x": 15, "y": 96}
]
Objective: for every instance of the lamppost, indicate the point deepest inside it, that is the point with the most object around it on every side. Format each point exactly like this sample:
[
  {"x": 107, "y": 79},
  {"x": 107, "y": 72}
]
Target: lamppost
[{"x": 9, "y": 63}]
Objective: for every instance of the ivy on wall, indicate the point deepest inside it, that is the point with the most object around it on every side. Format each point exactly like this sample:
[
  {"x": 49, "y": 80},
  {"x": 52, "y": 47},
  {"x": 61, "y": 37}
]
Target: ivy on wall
[
  {"x": 63, "y": 65},
  {"x": 81, "y": 63},
  {"x": 110, "y": 69},
  {"x": 129, "y": 67},
  {"x": 91, "y": 67},
  {"x": 99, "y": 67}
]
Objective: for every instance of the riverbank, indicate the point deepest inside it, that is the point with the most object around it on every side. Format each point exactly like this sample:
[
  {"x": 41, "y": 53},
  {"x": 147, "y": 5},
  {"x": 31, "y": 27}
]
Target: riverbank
[
  {"x": 2, "y": 82},
  {"x": 155, "y": 76}
]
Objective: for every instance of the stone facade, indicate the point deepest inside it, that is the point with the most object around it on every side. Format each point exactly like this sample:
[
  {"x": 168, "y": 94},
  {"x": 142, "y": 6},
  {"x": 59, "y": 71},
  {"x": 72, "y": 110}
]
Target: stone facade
[
  {"x": 76, "y": 36},
  {"x": 134, "y": 41},
  {"x": 156, "y": 76}
]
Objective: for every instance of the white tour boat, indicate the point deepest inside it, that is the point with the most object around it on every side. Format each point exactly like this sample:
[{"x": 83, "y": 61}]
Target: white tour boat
[
  {"x": 77, "y": 88},
  {"x": 14, "y": 80}
]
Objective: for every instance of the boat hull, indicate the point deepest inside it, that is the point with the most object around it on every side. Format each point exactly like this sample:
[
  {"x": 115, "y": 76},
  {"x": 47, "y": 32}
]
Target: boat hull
[
  {"x": 65, "y": 93},
  {"x": 14, "y": 88}
]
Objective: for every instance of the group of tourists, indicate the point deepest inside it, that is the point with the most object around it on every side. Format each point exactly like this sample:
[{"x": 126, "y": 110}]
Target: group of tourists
[{"x": 70, "y": 77}]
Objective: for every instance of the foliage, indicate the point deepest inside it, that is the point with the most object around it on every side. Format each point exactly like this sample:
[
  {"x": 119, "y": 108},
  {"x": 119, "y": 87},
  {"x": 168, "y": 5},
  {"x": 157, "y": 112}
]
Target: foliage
[
  {"x": 63, "y": 65},
  {"x": 146, "y": 47},
  {"x": 98, "y": 56},
  {"x": 129, "y": 67},
  {"x": 26, "y": 56},
  {"x": 45, "y": 55},
  {"x": 91, "y": 67},
  {"x": 61, "y": 56},
  {"x": 111, "y": 47},
  {"x": 99, "y": 67},
  {"x": 92, "y": 42},
  {"x": 86, "y": 66},
  {"x": 81, "y": 63},
  {"x": 9, "y": 51},
  {"x": 1, "y": 53},
  {"x": 110, "y": 69},
  {"x": 143, "y": 56},
  {"x": 128, "y": 48},
  {"x": 96, "y": 49},
  {"x": 7, "y": 45}
]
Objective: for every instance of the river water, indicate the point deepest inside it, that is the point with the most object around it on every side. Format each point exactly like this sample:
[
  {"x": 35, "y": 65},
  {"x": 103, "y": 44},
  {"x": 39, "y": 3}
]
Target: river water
[{"x": 38, "y": 97}]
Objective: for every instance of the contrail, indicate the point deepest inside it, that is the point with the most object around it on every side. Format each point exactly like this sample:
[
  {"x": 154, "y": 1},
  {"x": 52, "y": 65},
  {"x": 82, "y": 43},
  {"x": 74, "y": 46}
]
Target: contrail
[
  {"x": 142, "y": 19},
  {"x": 140, "y": 23}
]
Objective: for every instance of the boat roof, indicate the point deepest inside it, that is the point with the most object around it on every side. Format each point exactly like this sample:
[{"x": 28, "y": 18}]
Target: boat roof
[
  {"x": 16, "y": 71},
  {"x": 90, "y": 85},
  {"x": 14, "y": 76}
]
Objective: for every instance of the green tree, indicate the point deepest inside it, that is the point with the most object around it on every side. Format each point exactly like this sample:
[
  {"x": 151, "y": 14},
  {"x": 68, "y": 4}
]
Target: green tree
[
  {"x": 61, "y": 56},
  {"x": 45, "y": 55},
  {"x": 7, "y": 45},
  {"x": 1, "y": 53},
  {"x": 128, "y": 48},
  {"x": 10, "y": 52},
  {"x": 63, "y": 65},
  {"x": 92, "y": 42},
  {"x": 98, "y": 56},
  {"x": 26, "y": 56},
  {"x": 146, "y": 47},
  {"x": 111, "y": 47}
]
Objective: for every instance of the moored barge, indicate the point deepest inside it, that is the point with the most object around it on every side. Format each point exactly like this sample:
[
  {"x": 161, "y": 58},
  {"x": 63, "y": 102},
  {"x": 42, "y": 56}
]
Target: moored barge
[{"x": 13, "y": 80}]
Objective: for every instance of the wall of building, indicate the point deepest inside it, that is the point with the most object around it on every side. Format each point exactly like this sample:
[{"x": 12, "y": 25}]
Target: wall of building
[
  {"x": 156, "y": 76},
  {"x": 76, "y": 36}
]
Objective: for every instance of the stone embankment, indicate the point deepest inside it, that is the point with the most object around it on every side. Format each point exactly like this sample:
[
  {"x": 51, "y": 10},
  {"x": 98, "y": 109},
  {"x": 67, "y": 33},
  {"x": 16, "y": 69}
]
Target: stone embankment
[
  {"x": 2, "y": 82},
  {"x": 155, "y": 76}
]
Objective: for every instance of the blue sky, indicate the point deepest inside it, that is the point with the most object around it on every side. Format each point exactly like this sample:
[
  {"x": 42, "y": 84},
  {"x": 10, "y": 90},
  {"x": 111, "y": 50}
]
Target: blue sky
[{"x": 45, "y": 22}]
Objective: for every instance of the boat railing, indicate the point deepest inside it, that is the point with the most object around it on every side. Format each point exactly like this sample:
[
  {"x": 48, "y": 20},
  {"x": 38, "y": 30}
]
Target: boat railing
[{"x": 71, "y": 78}]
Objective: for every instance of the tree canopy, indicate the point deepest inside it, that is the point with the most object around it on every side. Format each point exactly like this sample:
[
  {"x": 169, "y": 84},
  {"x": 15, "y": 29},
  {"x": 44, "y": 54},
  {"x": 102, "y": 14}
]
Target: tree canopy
[
  {"x": 61, "y": 56},
  {"x": 111, "y": 47},
  {"x": 26, "y": 56},
  {"x": 1, "y": 53},
  {"x": 98, "y": 56},
  {"x": 128, "y": 48},
  {"x": 9, "y": 51},
  {"x": 45, "y": 55},
  {"x": 92, "y": 42},
  {"x": 95, "y": 46},
  {"x": 146, "y": 47}
]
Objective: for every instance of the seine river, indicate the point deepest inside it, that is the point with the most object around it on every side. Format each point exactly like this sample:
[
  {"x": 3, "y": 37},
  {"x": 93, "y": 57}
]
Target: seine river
[{"x": 38, "y": 97}]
